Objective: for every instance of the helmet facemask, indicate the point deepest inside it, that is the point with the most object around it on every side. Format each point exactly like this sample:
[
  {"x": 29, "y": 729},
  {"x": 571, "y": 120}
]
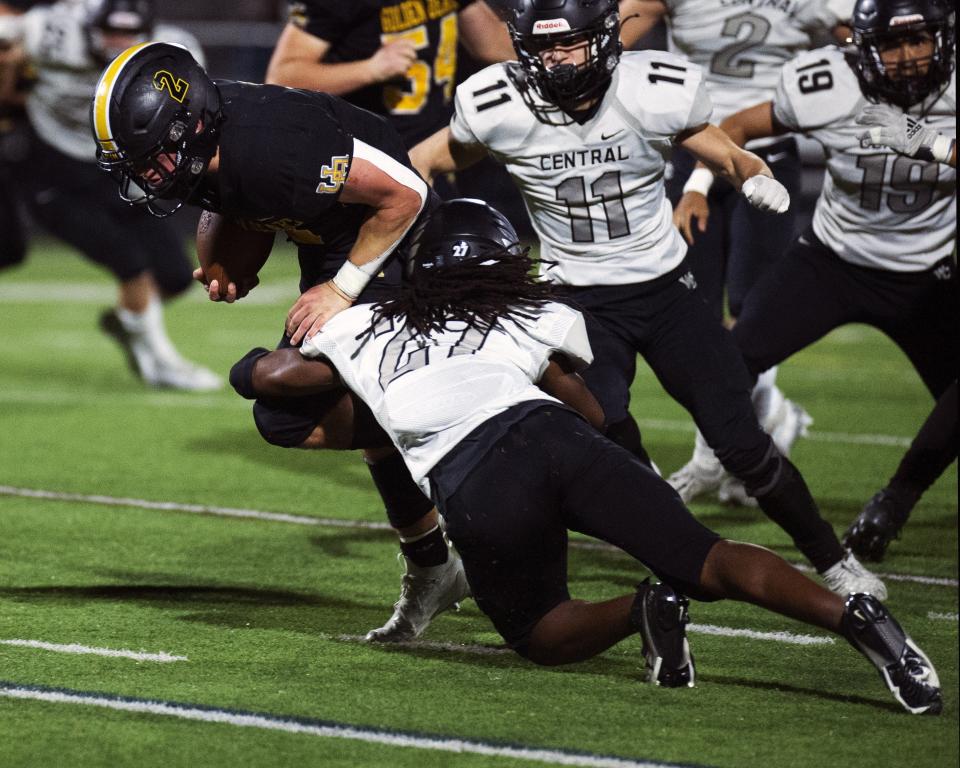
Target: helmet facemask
[
  {"x": 565, "y": 88},
  {"x": 909, "y": 82}
]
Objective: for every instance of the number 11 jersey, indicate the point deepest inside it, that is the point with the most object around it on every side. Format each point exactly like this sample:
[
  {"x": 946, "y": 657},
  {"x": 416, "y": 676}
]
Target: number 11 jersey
[{"x": 595, "y": 191}]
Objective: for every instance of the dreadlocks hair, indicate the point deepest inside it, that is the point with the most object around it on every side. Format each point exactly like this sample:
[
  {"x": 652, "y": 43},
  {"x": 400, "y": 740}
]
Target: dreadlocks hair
[{"x": 477, "y": 290}]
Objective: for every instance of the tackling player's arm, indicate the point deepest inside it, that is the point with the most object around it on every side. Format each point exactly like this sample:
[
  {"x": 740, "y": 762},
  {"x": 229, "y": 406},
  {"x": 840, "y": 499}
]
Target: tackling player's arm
[
  {"x": 725, "y": 144},
  {"x": 395, "y": 200},
  {"x": 483, "y": 35},
  {"x": 441, "y": 153},
  {"x": 639, "y": 17},
  {"x": 561, "y": 380},
  {"x": 298, "y": 62},
  {"x": 282, "y": 373}
]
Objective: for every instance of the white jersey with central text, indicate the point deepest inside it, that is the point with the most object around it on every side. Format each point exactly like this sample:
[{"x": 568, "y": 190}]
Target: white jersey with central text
[
  {"x": 429, "y": 393},
  {"x": 878, "y": 208},
  {"x": 54, "y": 38},
  {"x": 741, "y": 44},
  {"x": 595, "y": 191}
]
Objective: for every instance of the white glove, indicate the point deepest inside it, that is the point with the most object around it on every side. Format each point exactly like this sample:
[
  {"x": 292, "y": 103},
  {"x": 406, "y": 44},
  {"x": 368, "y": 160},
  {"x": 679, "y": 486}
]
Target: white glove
[
  {"x": 892, "y": 128},
  {"x": 766, "y": 194}
]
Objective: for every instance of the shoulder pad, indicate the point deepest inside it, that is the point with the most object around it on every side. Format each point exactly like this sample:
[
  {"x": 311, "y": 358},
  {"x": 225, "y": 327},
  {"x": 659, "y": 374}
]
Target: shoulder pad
[{"x": 816, "y": 88}]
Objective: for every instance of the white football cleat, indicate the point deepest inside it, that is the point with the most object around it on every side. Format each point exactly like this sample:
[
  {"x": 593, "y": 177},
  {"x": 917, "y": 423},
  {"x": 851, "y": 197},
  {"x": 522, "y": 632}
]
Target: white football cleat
[
  {"x": 733, "y": 492},
  {"x": 695, "y": 479},
  {"x": 788, "y": 425},
  {"x": 424, "y": 592},
  {"x": 848, "y": 577}
]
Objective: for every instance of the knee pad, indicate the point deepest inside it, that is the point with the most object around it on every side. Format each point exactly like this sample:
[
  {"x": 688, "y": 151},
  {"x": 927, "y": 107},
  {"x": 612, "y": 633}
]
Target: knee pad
[
  {"x": 285, "y": 423},
  {"x": 241, "y": 374}
]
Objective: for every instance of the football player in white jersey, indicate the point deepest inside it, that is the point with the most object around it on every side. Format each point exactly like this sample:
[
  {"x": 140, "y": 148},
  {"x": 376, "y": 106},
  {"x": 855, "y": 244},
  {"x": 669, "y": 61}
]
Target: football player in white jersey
[
  {"x": 471, "y": 372},
  {"x": 68, "y": 44},
  {"x": 585, "y": 136},
  {"x": 881, "y": 244},
  {"x": 741, "y": 47}
]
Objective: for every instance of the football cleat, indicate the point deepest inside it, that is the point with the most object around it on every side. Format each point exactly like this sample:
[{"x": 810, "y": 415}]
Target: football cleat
[
  {"x": 878, "y": 523},
  {"x": 732, "y": 491},
  {"x": 155, "y": 361},
  {"x": 789, "y": 424},
  {"x": 847, "y": 577},
  {"x": 904, "y": 668},
  {"x": 661, "y": 616},
  {"x": 424, "y": 592},
  {"x": 696, "y": 478}
]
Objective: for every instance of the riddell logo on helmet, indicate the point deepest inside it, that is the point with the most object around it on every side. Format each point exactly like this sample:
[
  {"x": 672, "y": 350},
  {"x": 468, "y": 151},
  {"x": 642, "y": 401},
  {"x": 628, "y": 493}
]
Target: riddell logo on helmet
[
  {"x": 913, "y": 18},
  {"x": 549, "y": 26}
]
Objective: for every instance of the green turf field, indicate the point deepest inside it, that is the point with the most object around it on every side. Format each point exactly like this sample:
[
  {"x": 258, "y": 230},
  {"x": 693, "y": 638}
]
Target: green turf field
[{"x": 260, "y": 619}]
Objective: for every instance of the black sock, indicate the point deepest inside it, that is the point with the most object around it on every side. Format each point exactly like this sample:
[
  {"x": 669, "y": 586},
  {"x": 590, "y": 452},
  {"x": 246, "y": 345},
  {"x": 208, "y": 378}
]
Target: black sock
[
  {"x": 626, "y": 434},
  {"x": 426, "y": 550},
  {"x": 931, "y": 452},
  {"x": 787, "y": 501},
  {"x": 402, "y": 498}
]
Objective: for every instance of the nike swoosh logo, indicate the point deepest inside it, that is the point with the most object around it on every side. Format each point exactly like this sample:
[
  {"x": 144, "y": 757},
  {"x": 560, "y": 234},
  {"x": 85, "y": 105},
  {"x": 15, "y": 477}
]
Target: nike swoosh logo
[
  {"x": 776, "y": 157},
  {"x": 803, "y": 240},
  {"x": 604, "y": 136}
]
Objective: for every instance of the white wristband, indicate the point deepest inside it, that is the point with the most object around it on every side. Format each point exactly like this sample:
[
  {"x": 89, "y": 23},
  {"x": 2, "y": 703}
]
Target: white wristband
[
  {"x": 701, "y": 179},
  {"x": 942, "y": 148},
  {"x": 351, "y": 279}
]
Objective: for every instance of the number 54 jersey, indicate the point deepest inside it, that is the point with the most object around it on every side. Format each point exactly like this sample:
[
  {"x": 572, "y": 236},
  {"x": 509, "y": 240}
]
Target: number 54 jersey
[
  {"x": 877, "y": 209},
  {"x": 594, "y": 191}
]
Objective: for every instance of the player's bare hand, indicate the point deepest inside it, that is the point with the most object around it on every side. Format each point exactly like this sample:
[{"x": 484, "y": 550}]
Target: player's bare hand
[
  {"x": 392, "y": 60},
  {"x": 233, "y": 291},
  {"x": 692, "y": 211},
  {"x": 312, "y": 310}
]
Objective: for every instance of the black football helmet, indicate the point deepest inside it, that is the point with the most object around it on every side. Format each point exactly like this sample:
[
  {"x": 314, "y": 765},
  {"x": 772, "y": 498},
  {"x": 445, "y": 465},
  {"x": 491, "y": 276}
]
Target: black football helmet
[
  {"x": 130, "y": 19},
  {"x": 878, "y": 24},
  {"x": 536, "y": 25},
  {"x": 462, "y": 230},
  {"x": 156, "y": 120}
]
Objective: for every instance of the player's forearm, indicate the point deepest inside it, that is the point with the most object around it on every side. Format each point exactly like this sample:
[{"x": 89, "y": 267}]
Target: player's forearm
[
  {"x": 483, "y": 35},
  {"x": 569, "y": 388},
  {"x": 744, "y": 165},
  {"x": 440, "y": 153},
  {"x": 756, "y": 122},
  {"x": 336, "y": 79}
]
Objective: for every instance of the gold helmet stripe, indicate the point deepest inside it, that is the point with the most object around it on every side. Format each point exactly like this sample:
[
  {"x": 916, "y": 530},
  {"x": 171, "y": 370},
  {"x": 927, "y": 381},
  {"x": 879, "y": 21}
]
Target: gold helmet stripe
[{"x": 101, "y": 99}]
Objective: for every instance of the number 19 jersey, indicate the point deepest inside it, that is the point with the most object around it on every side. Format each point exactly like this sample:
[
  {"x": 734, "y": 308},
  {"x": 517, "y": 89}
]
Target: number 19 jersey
[
  {"x": 877, "y": 209},
  {"x": 594, "y": 192}
]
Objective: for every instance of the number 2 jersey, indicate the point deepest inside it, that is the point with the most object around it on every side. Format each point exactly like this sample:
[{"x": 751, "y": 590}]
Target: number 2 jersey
[
  {"x": 418, "y": 104},
  {"x": 741, "y": 44},
  {"x": 877, "y": 209},
  {"x": 430, "y": 393},
  {"x": 594, "y": 192}
]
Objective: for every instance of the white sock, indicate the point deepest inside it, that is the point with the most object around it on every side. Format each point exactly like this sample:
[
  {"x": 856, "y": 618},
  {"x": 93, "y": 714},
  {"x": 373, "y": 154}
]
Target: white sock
[
  {"x": 703, "y": 454},
  {"x": 767, "y": 398}
]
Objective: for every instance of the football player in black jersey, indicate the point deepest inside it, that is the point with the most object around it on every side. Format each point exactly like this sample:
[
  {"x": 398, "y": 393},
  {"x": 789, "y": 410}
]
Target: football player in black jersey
[
  {"x": 336, "y": 180},
  {"x": 13, "y": 244},
  {"x": 397, "y": 59}
]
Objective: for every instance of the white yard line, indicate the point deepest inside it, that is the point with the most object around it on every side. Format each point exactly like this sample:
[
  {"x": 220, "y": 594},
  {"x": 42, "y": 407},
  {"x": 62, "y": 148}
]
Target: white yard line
[
  {"x": 281, "y": 517},
  {"x": 325, "y": 729},
  {"x": 845, "y": 438},
  {"x": 31, "y": 292},
  {"x": 790, "y": 638},
  {"x": 942, "y": 616},
  {"x": 122, "y": 653}
]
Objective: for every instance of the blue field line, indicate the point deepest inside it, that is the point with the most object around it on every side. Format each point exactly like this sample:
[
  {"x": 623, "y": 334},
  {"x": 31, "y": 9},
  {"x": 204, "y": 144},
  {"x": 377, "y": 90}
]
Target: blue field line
[{"x": 329, "y": 728}]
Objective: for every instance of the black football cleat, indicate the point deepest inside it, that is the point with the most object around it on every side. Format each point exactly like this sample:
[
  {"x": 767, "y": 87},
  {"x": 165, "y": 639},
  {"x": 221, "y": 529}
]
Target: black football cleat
[
  {"x": 905, "y": 669},
  {"x": 878, "y": 523},
  {"x": 660, "y": 615}
]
